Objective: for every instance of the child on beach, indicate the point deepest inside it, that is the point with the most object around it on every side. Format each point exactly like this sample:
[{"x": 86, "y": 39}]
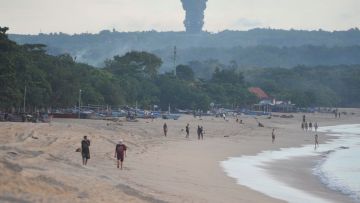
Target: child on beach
[
  {"x": 85, "y": 151},
  {"x": 120, "y": 153}
]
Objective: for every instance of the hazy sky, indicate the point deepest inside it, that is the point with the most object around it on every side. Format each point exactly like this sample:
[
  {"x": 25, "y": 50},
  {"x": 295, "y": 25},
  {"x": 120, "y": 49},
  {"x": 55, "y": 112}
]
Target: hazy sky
[{"x": 77, "y": 16}]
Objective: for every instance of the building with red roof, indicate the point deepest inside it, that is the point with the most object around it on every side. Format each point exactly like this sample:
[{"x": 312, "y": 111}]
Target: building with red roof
[{"x": 259, "y": 93}]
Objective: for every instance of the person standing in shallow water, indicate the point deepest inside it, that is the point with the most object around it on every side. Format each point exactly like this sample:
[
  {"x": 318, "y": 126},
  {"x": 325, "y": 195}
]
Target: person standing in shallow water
[
  {"x": 120, "y": 153},
  {"x": 273, "y": 135},
  {"x": 316, "y": 141},
  {"x": 165, "y": 129},
  {"x": 85, "y": 150}
]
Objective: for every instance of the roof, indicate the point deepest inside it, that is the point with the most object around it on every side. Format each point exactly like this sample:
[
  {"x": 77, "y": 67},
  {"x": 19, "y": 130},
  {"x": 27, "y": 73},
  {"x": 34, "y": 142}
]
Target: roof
[{"x": 258, "y": 92}]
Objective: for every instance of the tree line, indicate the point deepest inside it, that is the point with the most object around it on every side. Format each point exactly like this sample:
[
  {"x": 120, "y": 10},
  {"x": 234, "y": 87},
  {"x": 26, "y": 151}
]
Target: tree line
[{"x": 55, "y": 81}]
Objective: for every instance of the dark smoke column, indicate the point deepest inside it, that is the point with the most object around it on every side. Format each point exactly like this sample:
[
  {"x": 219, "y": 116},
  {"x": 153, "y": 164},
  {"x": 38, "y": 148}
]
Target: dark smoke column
[{"x": 194, "y": 19}]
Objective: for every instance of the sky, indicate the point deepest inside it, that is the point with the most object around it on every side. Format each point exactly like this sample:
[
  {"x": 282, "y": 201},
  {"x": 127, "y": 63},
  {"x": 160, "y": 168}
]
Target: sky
[{"x": 80, "y": 16}]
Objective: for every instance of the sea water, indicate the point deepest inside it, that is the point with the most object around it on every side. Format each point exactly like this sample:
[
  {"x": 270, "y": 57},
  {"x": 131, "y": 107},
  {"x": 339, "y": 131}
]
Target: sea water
[{"x": 339, "y": 170}]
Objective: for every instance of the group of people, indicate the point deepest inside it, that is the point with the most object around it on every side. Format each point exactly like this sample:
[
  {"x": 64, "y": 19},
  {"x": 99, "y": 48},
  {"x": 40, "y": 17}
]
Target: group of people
[
  {"x": 120, "y": 152},
  {"x": 200, "y": 131},
  {"x": 308, "y": 126}
]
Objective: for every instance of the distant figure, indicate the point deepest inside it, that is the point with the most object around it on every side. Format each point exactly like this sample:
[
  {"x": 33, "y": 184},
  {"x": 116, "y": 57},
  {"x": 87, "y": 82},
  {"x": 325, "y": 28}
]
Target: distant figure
[
  {"x": 224, "y": 117},
  {"x": 165, "y": 129},
  {"x": 187, "y": 129},
  {"x": 237, "y": 120},
  {"x": 316, "y": 126},
  {"x": 260, "y": 125},
  {"x": 304, "y": 118},
  {"x": 202, "y": 132},
  {"x": 85, "y": 151},
  {"x": 335, "y": 114},
  {"x": 273, "y": 135},
  {"x": 310, "y": 126},
  {"x": 241, "y": 122},
  {"x": 198, "y": 132},
  {"x": 303, "y": 126},
  {"x": 339, "y": 115},
  {"x": 120, "y": 153},
  {"x": 316, "y": 141},
  {"x": 306, "y": 126}
]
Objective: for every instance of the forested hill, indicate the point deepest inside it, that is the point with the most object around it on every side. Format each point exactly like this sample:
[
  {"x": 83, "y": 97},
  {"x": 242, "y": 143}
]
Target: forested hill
[
  {"x": 55, "y": 81},
  {"x": 253, "y": 48}
]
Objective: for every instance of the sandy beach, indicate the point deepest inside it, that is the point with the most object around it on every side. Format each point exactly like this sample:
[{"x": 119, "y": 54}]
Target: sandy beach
[{"x": 39, "y": 163}]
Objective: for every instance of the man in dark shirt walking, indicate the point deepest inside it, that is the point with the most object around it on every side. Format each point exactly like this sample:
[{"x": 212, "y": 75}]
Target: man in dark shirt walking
[{"x": 85, "y": 151}]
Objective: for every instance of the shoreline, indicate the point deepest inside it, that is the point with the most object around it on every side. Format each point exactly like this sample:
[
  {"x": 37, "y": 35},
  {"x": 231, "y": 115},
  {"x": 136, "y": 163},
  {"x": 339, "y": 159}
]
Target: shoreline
[
  {"x": 293, "y": 170},
  {"x": 157, "y": 168},
  {"x": 301, "y": 169}
]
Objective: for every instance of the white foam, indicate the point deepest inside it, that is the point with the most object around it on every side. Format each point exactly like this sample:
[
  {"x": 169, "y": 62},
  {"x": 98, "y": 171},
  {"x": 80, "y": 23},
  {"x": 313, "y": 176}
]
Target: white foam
[{"x": 248, "y": 170}]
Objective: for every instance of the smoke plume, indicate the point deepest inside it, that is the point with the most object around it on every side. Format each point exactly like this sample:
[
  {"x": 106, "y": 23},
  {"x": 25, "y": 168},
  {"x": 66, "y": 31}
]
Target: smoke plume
[{"x": 194, "y": 19}]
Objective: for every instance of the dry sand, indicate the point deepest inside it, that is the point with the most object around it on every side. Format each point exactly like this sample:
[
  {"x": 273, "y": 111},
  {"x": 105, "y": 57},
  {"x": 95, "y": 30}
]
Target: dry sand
[{"x": 38, "y": 162}]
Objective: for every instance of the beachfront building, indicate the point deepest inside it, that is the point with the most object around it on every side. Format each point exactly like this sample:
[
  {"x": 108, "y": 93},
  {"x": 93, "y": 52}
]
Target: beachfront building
[{"x": 268, "y": 104}]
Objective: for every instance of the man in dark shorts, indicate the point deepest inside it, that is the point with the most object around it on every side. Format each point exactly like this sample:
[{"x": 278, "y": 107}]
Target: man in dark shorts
[
  {"x": 85, "y": 151},
  {"x": 120, "y": 153}
]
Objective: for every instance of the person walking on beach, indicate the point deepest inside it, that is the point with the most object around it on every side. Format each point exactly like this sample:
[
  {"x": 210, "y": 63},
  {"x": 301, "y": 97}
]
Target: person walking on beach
[
  {"x": 120, "y": 153},
  {"x": 198, "y": 132},
  {"x": 316, "y": 126},
  {"x": 304, "y": 119},
  {"x": 339, "y": 115},
  {"x": 310, "y": 126},
  {"x": 85, "y": 151},
  {"x": 165, "y": 129},
  {"x": 303, "y": 126},
  {"x": 316, "y": 141},
  {"x": 306, "y": 126},
  {"x": 202, "y": 132},
  {"x": 273, "y": 135},
  {"x": 187, "y": 129}
]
